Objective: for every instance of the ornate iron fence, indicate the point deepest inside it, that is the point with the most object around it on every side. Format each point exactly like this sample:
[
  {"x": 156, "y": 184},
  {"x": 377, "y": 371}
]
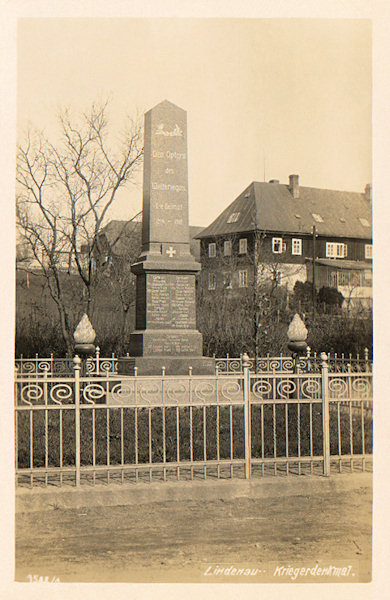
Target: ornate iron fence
[
  {"x": 84, "y": 428},
  {"x": 98, "y": 365},
  {"x": 64, "y": 367},
  {"x": 287, "y": 364}
]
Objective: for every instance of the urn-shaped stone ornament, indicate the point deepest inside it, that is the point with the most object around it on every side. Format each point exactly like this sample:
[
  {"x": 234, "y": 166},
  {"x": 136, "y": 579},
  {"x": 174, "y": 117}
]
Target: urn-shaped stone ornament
[
  {"x": 297, "y": 334},
  {"x": 84, "y": 336}
]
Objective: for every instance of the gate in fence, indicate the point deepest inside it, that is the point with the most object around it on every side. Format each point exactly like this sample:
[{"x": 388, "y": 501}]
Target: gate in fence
[{"x": 84, "y": 429}]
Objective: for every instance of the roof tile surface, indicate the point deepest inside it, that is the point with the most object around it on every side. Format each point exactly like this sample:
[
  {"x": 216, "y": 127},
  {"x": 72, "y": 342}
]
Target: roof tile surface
[{"x": 271, "y": 207}]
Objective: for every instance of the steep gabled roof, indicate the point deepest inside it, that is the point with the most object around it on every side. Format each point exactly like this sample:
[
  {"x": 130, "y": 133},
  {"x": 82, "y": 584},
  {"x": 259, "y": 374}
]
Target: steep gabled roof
[
  {"x": 271, "y": 207},
  {"x": 124, "y": 236}
]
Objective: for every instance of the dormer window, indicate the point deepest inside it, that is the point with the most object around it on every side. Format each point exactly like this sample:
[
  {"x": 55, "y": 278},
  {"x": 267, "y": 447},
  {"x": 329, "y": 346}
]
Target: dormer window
[
  {"x": 317, "y": 217},
  {"x": 233, "y": 218},
  {"x": 364, "y": 222}
]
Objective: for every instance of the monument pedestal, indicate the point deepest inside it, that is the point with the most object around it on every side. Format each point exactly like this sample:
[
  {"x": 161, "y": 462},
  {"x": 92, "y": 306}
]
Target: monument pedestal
[
  {"x": 165, "y": 342},
  {"x": 173, "y": 365}
]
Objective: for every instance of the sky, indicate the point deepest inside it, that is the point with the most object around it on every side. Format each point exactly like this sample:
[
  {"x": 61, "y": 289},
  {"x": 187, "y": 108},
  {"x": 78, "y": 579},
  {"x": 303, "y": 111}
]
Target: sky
[{"x": 265, "y": 98}]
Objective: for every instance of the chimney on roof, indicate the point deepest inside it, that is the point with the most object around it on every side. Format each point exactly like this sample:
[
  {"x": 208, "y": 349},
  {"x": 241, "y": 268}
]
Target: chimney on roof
[
  {"x": 368, "y": 192},
  {"x": 274, "y": 181},
  {"x": 294, "y": 185}
]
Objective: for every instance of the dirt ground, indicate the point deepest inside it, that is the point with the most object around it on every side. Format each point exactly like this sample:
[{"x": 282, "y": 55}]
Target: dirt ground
[{"x": 319, "y": 537}]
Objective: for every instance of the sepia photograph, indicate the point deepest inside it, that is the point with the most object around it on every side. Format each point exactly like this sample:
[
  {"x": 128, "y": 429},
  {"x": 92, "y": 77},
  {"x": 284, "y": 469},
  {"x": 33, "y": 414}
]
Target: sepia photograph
[{"x": 193, "y": 320}]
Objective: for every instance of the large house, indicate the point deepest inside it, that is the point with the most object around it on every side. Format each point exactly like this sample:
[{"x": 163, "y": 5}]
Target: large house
[{"x": 279, "y": 231}]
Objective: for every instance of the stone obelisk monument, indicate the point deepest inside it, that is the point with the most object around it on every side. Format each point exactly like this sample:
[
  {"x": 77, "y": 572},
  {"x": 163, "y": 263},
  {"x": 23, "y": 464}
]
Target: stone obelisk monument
[{"x": 165, "y": 334}]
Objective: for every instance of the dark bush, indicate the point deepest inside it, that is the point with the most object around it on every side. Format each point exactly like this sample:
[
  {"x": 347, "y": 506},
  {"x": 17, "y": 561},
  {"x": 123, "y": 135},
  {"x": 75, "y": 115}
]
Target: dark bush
[{"x": 330, "y": 296}]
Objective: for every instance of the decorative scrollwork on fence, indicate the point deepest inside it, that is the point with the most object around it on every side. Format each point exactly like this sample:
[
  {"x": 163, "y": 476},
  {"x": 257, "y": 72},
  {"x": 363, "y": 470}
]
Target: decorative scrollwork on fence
[
  {"x": 301, "y": 364},
  {"x": 28, "y": 367},
  {"x": 234, "y": 366},
  {"x": 176, "y": 391},
  {"x": 90, "y": 366},
  {"x": 338, "y": 387},
  {"x": 230, "y": 390},
  {"x": 221, "y": 365},
  {"x": 123, "y": 392},
  {"x": 362, "y": 386},
  {"x": 60, "y": 393},
  {"x": 262, "y": 365},
  {"x": 261, "y": 389},
  {"x": 93, "y": 392},
  {"x": 280, "y": 364},
  {"x": 106, "y": 366},
  {"x": 285, "y": 388},
  {"x": 31, "y": 393},
  {"x": 311, "y": 389},
  {"x": 287, "y": 364},
  {"x": 205, "y": 391},
  {"x": 275, "y": 365},
  {"x": 62, "y": 367},
  {"x": 44, "y": 366},
  {"x": 149, "y": 392}
]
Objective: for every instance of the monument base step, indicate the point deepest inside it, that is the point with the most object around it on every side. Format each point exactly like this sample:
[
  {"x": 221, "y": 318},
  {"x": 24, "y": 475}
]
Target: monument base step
[
  {"x": 166, "y": 342},
  {"x": 153, "y": 365}
]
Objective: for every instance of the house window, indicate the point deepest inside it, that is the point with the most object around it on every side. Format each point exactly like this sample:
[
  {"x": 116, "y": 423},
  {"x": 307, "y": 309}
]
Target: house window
[
  {"x": 212, "y": 250},
  {"x": 336, "y": 250},
  {"x": 212, "y": 281},
  {"x": 278, "y": 246},
  {"x": 296, "y": 247},
  {"x": 233, "y": 218},
  {"x": 368, "y": 250},
  {"x": 343, "y": 278},
  {"x": 227, "y": 280},
  {"x": 227, "y": 248},
  {"x": 356, "y": 278},
  {"x": 243, "y": 279},
  {"x": 243, "y": 246}
]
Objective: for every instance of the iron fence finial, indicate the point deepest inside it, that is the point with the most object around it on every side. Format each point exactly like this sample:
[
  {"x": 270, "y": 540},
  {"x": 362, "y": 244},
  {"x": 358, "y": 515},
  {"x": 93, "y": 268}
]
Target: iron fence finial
[{"x": 77, "y": 362}]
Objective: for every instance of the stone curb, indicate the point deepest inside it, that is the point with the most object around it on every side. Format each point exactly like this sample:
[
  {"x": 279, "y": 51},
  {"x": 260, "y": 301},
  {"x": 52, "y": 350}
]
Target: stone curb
[{"x": 47, "y": 499}]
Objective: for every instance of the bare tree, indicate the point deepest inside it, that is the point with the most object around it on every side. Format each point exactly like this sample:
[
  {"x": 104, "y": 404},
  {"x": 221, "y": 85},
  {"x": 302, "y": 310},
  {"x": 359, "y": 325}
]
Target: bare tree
[
  {"x": 64, "y": 193},
  {"x": 245, "y": 318},
  {"x": 114, "y": 256}
]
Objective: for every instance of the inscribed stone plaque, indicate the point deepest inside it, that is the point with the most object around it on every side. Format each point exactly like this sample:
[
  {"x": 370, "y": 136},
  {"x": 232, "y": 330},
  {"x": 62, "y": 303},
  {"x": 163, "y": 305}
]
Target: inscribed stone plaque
[
  {"x": 165, "y": 193},
  {"x": 170, "y": 301},
  {"x": 173, "y": 344}
]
